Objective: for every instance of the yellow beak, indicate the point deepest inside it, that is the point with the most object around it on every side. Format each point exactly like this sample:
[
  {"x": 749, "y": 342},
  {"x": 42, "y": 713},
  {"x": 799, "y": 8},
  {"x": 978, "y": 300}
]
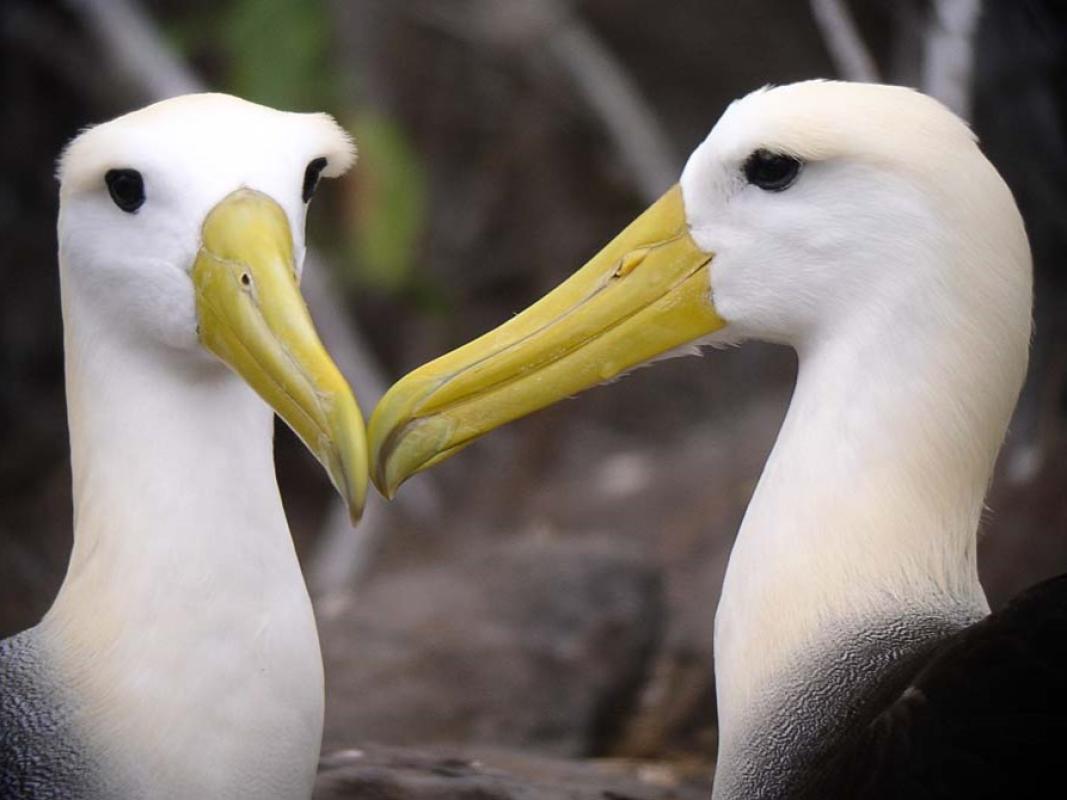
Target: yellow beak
[
  {"x": 646, "y": 293},
  {"x": 251, "y": 315}
]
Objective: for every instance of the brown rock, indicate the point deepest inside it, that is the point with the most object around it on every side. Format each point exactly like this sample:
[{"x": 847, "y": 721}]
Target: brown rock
[
  {"x": 537, "y": 642},
  {"x": 390, "y": 773}
]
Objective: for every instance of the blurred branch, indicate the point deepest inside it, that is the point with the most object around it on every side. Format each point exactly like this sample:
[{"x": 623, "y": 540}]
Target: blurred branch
[
  {"x": 134, "y": 47},
  {"x": 949, "y": 53},
  {"x": 599, "y": 78},
  {"x": 908, "y": 21},
  {"x": 843, "y": 41},
  {"x": 629, "y": 121}
]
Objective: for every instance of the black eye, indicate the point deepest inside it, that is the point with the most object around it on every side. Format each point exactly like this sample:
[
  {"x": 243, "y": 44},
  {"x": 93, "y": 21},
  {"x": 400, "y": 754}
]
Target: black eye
[
  {"x": 126, "y": 187},
  {"x": 771, "y": 171},
  {"x": 311, "y": 177}
]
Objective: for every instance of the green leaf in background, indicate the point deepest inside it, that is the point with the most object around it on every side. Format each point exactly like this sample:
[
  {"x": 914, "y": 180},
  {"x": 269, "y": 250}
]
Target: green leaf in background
[
  {"x": 278, "y": 52},
  {"x": 389, "y": 213}
]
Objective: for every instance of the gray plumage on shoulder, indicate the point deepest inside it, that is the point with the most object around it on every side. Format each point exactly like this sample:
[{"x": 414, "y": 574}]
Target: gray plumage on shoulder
[{"x": 40, "y": 758}]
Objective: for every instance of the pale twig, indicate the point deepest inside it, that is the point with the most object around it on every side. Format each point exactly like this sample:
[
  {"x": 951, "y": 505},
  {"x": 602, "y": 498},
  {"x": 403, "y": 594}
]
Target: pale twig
[
  {"x": 949, "y": 53},
  {"x": 843, "y": 41},
  {"x": 629, "y": 121},
  {"x": 135, "y": 48},
  {"x": 598, "y": 77}
]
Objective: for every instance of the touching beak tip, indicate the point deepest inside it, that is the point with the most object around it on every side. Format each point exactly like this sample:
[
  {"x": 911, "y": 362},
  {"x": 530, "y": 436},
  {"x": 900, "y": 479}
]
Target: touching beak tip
[
  {"x": 402, "y": 441},
  {"x": 355, "y": 511},
  {"x": 383, "y": 474},
  {"x": 647, "y": 292},
  {"x": 350, "y": 447},
  {"x": 355, "y": 497},
  {"x": 251, "y": 314},
  {"x": 393, "y": 478},
  {"x": 390, "y": 415}
]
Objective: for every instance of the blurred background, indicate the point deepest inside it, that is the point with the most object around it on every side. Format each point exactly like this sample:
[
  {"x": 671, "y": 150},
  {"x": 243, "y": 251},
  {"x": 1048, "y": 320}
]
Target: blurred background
[{"x": 550, "y": 591}]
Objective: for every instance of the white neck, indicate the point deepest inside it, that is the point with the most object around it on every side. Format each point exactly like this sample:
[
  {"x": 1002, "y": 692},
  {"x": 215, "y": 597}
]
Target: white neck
[
  {"x": 865, "y": 514},
  {"x": 183, "y": 625}
]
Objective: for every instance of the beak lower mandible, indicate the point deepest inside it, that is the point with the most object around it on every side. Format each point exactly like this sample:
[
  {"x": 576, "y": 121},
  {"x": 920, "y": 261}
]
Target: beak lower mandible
[
  {"x": 646, "y": 293},
  {"x": 251, "y": 315}
]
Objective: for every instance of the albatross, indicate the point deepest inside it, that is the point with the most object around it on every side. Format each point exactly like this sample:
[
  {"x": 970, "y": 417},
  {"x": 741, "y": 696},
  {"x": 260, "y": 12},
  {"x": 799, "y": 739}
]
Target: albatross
[
  {"x": 180, "y": 658},
  {"x": 855, "y": 651}
]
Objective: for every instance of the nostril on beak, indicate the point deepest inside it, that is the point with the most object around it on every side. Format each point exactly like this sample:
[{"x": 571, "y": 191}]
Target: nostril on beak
[{"x": 629, "y": 262}]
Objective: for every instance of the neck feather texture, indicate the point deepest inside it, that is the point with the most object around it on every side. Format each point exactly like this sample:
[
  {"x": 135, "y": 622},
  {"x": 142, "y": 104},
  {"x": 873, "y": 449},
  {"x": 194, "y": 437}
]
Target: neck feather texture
[
  {"x": 859, "y": 543},
  {"x": 183, "y": 629}
]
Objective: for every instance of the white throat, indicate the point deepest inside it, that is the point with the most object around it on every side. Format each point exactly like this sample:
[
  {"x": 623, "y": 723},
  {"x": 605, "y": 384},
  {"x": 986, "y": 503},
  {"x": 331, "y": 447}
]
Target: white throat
[
  {"x": 866, "y": 513},
  {"x": 183, "y": 627}
]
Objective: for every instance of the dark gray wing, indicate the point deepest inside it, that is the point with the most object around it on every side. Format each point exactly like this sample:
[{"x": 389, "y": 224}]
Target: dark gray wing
[
  {"x": 39, "y": 756},
  {"x": 984, "y": 716}
]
